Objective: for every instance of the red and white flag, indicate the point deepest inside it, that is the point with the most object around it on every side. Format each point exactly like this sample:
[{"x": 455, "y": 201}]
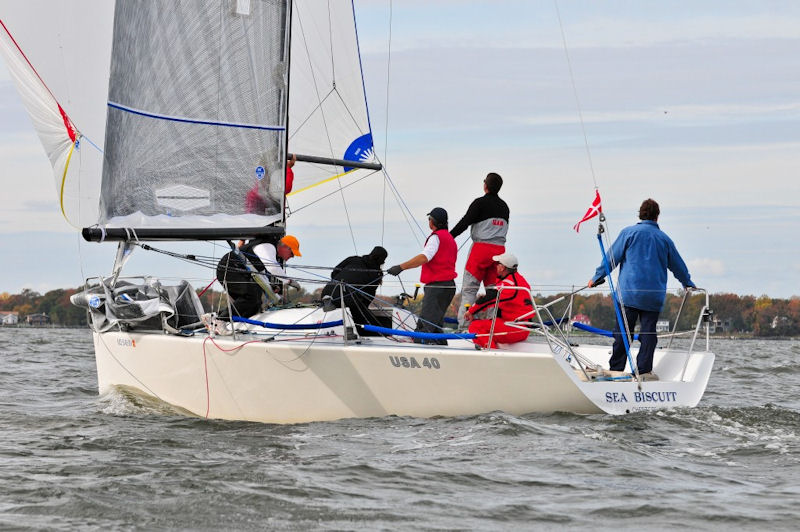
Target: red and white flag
[{"x": 591, "y": 212}]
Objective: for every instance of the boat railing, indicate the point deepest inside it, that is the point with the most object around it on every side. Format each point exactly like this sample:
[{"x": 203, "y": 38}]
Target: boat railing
[
  {"x": 703, "y": 320},
  {"x": 557, "y": 344}
]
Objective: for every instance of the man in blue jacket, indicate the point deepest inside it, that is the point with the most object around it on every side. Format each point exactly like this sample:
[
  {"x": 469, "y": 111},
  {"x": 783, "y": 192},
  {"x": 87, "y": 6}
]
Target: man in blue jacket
[{"x": 643, "y": 253}]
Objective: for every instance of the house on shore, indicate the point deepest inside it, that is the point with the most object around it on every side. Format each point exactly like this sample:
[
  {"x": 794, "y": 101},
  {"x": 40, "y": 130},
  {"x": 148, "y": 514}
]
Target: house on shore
[
  {"x": 37, "y": 320},
  {"x": 8, "y": 317}
]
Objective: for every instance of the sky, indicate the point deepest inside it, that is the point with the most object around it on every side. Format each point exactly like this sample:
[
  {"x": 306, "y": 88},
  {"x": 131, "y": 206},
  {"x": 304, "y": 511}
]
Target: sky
[{"x": 695, "y": 104}]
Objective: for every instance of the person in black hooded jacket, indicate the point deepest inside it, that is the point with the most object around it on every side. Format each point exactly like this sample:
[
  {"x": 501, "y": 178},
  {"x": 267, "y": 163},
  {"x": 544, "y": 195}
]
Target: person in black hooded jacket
[{"x": 357, "y": 278}]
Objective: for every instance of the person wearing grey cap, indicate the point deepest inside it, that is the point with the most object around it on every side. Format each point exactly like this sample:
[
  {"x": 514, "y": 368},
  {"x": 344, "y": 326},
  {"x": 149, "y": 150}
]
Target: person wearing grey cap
[
  {"x": 512, "y": 300},
  {"x": 438, "y": 261}
]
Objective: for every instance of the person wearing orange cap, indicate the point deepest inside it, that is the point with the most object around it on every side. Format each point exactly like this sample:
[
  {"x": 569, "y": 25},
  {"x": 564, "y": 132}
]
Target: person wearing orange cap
[
  {"x": 268, "y": 258},
  {"x": 273, "y": 257}
]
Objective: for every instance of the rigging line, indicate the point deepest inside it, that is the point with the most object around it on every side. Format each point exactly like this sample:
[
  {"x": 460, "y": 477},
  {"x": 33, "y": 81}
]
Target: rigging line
[
  {"x": 310, "y": 114},
  {"x": 407, "y": 215},
  {"x": 388, "y": 77},
  {"x": 360, "y": 64},
  {"x": 402, "y": 203},
  {"x": 575, "y": 93},
  {"x": 334, "y": 192},
  {"x": 386, "y": 121},
  {"x": 330, "y": 45},
  {"x": 347, "y": 108},
  {"x": 337, "y": 176}
]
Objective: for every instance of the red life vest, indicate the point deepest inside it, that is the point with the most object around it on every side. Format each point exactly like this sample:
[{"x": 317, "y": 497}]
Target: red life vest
[
  {"x": 514, "y": 303},
  {"x": 289, "y": 180},
  {"x": 442, "y": 267}
]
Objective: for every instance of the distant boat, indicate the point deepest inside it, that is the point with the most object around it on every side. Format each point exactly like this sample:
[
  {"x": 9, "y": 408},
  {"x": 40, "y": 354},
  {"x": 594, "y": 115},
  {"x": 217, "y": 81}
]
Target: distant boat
[{"x": 204, "y": 99}]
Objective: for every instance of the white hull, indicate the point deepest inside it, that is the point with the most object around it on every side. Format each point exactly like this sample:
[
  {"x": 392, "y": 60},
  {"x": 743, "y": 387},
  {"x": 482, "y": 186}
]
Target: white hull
[{"x": 295, "y": 379}]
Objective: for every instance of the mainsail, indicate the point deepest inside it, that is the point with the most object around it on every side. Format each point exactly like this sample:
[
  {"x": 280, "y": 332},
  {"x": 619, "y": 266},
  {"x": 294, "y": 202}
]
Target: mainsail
[{"x": 197, "y": 115}]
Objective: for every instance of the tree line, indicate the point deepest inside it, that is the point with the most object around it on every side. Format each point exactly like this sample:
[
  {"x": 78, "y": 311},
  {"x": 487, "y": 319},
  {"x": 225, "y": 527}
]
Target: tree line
[{"x": 732, "y": 314}]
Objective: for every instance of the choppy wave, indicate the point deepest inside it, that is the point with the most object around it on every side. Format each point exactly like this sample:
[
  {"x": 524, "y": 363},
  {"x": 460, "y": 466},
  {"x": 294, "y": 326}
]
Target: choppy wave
[{"x": 70, "y": 459}]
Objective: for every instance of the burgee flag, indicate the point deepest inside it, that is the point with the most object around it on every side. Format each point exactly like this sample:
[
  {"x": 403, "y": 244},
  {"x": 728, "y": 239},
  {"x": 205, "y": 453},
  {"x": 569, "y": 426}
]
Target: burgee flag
[{"x": 593, "y": 211}]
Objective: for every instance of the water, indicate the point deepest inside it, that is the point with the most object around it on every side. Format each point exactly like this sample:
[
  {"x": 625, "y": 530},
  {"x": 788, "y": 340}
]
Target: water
[{"x": 72, "y": 460}]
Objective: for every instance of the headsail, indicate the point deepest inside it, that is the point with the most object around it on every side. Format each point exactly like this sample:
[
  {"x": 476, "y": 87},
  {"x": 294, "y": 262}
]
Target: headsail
[
  {"x": 58, "y": 55},
  {"x": 328, "y": 109},
  {"x": 55, "y": 129},
  {"x": 196, "y": 115}
]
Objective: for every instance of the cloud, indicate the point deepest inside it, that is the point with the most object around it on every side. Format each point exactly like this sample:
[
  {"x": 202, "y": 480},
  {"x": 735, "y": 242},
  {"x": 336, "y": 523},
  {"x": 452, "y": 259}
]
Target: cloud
[{"x": 706, "y": 267}]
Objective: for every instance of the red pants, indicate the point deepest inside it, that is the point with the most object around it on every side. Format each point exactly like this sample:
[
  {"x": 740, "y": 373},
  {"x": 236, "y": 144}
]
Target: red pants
[
  {"x": 503, "y": 333},
  {"x": 480, "y": 263}
]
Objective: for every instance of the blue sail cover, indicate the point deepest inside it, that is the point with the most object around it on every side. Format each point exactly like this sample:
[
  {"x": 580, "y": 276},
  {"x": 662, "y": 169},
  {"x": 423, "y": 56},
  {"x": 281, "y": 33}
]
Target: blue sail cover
[{"x": 196, "y": 126}]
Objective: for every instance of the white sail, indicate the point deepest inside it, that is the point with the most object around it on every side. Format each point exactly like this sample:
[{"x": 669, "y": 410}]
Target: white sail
[
  {"x": 328, "y": 108},
  {"x": 59, "y": 64}
]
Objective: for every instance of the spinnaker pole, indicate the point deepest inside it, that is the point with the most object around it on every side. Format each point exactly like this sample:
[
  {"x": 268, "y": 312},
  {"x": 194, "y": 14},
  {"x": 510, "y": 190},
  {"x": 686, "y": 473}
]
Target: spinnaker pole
[{"x": 334, "y": 162}]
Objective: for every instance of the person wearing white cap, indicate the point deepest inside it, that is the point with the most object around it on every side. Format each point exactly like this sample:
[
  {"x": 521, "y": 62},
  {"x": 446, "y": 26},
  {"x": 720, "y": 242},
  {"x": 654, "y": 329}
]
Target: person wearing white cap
[{"x": 510, "y": 303}]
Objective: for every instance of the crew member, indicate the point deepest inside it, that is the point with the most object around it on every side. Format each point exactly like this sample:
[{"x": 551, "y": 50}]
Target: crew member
[
  {"x": 511, "y": 300},
  {"x": 438, "y": 261},
  {"x": 487, "y": 218}
]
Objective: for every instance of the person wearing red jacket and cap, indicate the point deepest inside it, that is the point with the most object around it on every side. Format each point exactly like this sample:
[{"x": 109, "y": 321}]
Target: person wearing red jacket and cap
[{"x": 511, "y": 304}]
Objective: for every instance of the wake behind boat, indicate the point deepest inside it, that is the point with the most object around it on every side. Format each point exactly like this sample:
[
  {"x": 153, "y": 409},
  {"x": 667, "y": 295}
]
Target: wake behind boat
[{"x": 198, "y": 122}]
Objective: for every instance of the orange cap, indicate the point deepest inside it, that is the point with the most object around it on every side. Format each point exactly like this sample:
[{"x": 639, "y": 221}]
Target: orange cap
[{"x": 293, "y": 244}]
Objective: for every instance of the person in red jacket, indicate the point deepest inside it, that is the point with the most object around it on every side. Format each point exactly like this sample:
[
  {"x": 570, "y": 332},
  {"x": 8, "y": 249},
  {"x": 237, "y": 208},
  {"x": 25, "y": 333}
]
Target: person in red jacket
[
  {"x": 438, "y": 261},
  {"x": 256, "y": 203},
  {"x": 510, "y": 304}
]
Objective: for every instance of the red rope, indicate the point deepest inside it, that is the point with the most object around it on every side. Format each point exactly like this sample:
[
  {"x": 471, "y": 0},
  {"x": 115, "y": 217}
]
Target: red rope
[{"x": 206, "y": 288}]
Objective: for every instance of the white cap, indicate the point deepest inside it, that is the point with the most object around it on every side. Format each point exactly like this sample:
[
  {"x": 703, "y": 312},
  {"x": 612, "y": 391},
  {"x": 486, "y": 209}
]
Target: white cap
[{"x": 509, "y": 260}]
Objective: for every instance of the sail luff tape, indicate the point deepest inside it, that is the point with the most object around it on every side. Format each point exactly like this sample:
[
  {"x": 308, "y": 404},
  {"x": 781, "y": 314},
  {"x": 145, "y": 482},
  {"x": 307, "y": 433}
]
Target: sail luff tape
[{"x": 337, "y": 176}]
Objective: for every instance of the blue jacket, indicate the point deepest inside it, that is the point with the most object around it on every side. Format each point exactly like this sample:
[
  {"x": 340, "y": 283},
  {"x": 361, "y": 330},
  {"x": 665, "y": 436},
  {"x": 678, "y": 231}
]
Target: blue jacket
[{"x": 643, "y": 253}]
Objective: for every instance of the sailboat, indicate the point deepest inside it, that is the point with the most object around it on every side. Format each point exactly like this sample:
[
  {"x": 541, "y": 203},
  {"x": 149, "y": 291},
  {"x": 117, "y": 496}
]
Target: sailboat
[{"x": 205, "y": 100}]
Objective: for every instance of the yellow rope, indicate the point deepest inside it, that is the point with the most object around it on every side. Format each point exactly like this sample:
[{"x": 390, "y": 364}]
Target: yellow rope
[
  {"x": 64, "y": 180},
  {"x": 292, "y": 193}
]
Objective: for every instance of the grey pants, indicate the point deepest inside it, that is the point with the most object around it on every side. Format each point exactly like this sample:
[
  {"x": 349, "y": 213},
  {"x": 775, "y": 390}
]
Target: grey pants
[
  {"x": 436, "y": 299},
  {"x": 469, "y": 293}
]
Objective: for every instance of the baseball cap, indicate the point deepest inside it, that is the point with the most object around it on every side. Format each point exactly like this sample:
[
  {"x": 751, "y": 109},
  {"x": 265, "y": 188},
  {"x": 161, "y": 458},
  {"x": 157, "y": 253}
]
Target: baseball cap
[
  {"x": 293, "y": 244},
  {"x": 509, "y": 260},
  {"x": 438, "y": 214}
]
